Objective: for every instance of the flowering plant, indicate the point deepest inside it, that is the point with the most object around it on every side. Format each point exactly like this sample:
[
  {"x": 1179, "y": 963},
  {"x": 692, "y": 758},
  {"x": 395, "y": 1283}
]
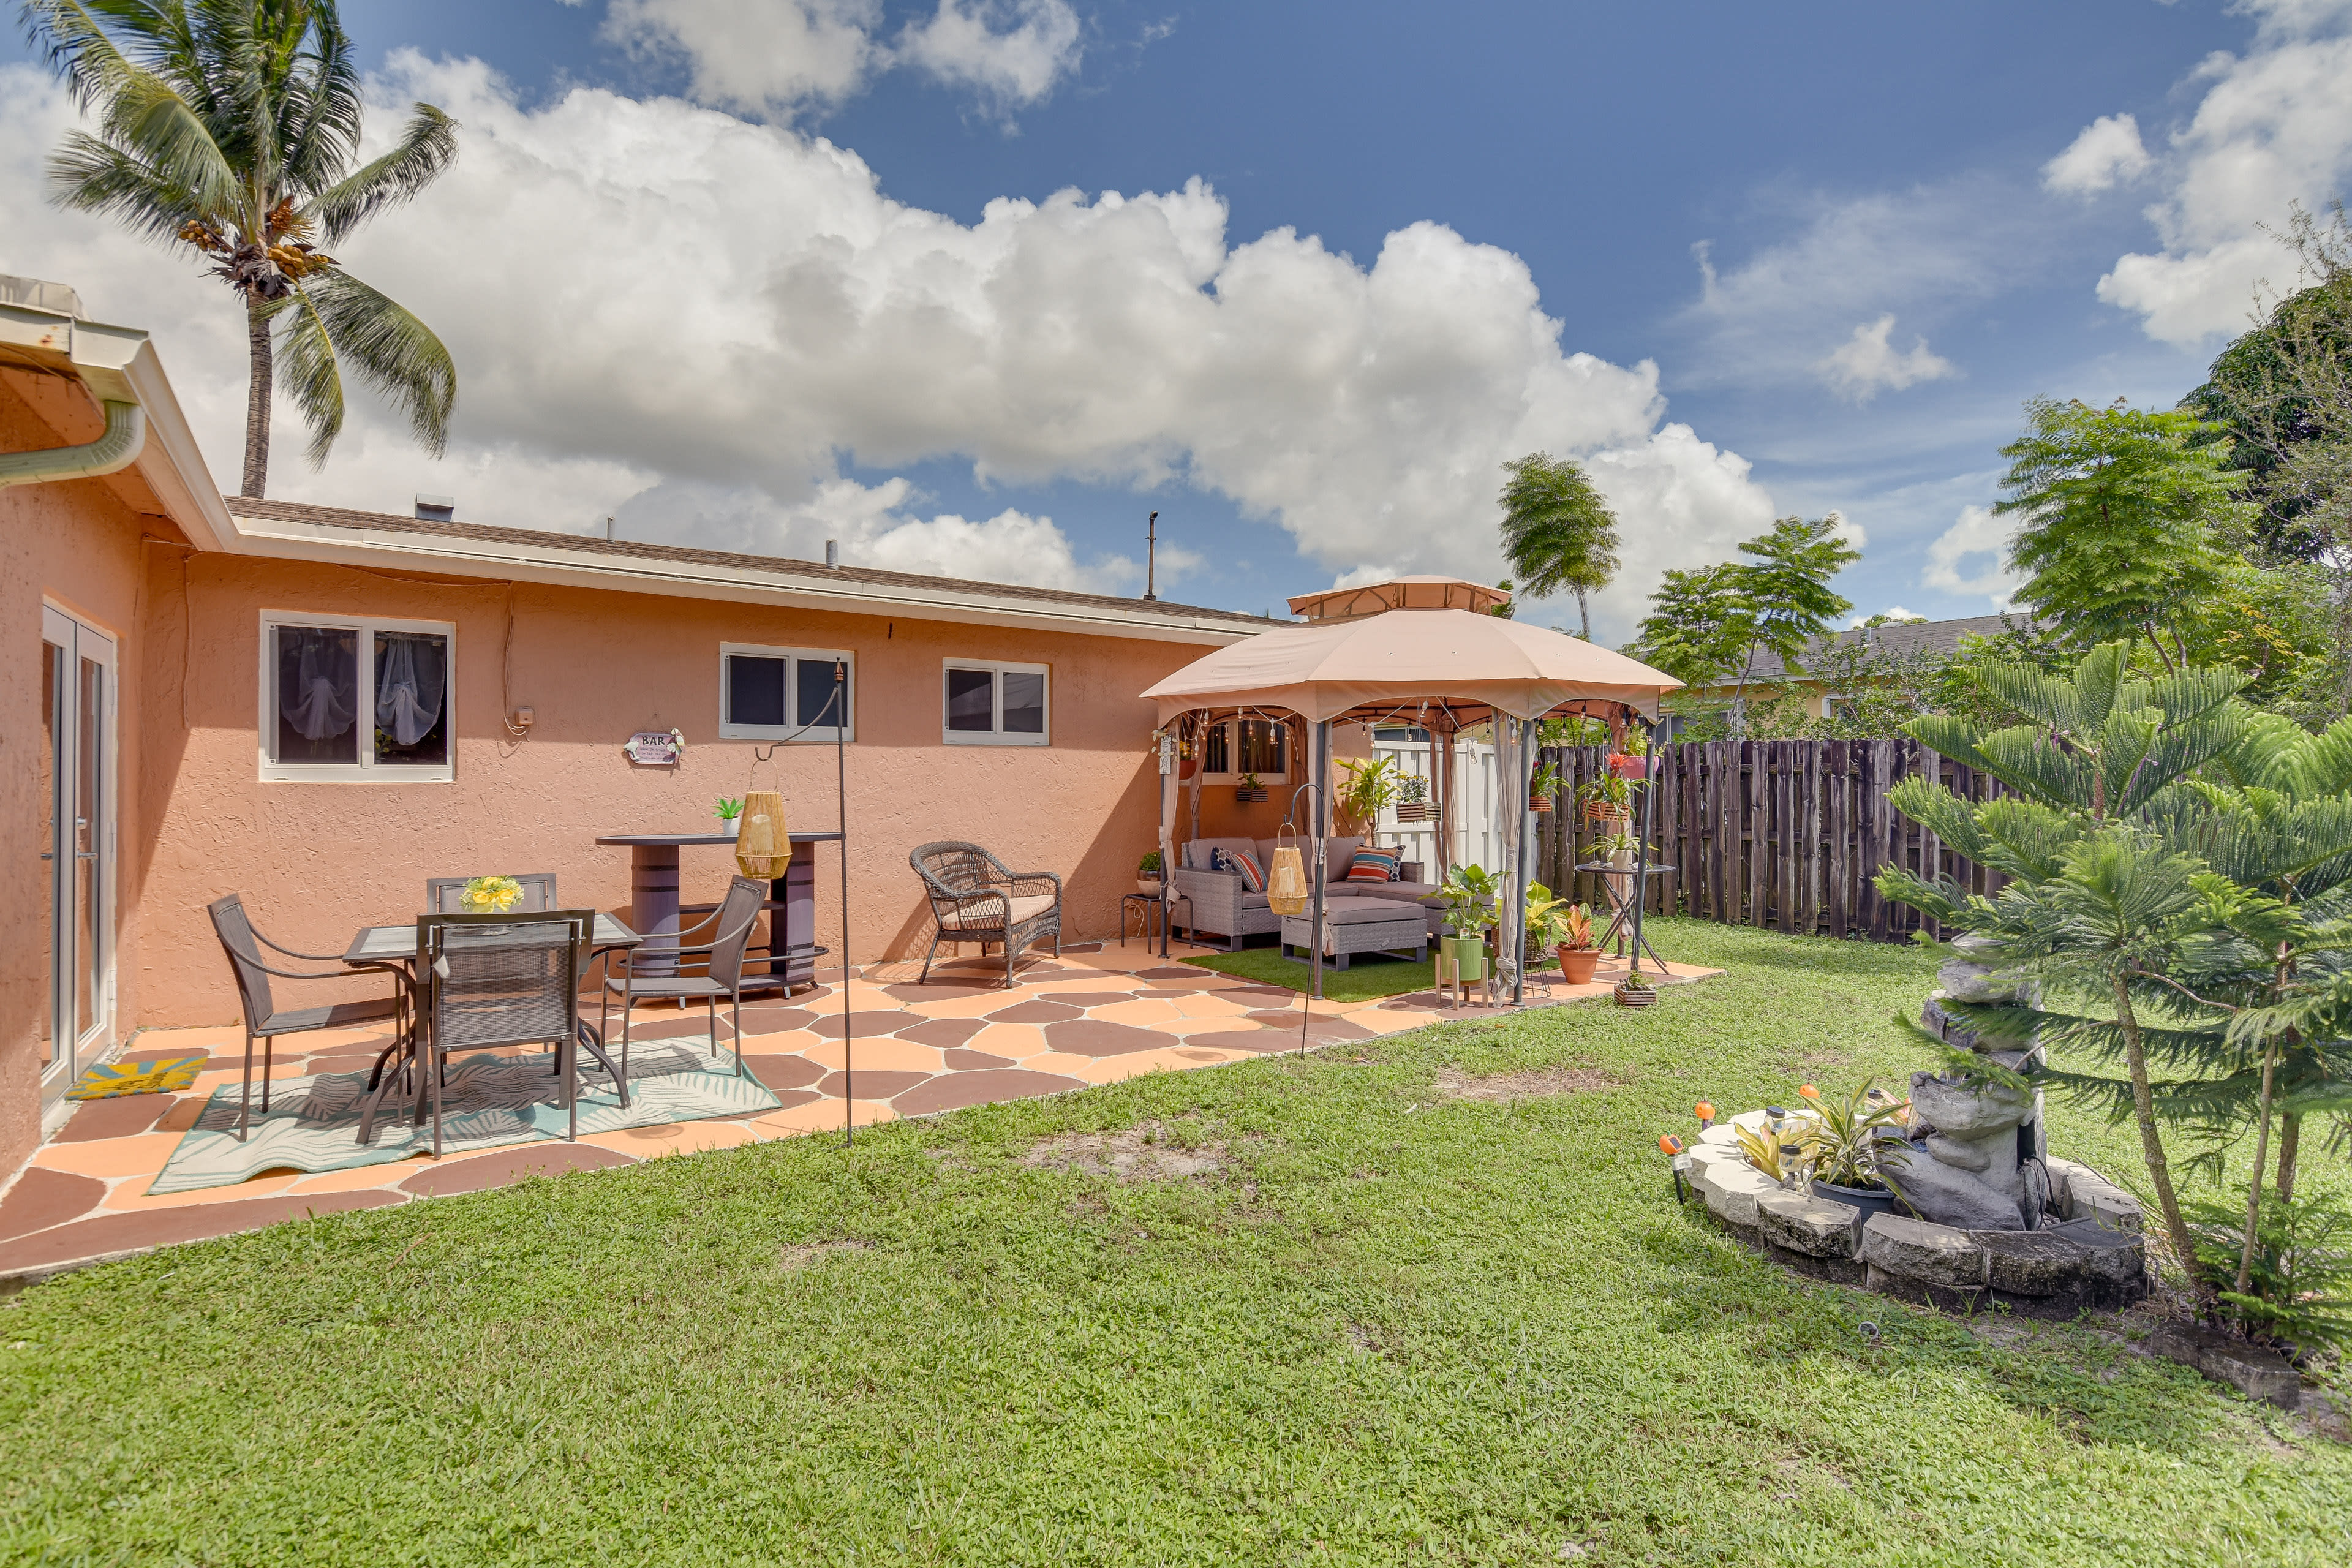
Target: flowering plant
[{"x": 490, "y": 895}]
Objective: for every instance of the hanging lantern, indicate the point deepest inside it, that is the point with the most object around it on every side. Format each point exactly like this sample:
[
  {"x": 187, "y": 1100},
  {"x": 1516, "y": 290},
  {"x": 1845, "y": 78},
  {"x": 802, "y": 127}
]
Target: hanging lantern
[
  {"x": 1286, "y": 885},
  {"x": 764, "y": 847}
]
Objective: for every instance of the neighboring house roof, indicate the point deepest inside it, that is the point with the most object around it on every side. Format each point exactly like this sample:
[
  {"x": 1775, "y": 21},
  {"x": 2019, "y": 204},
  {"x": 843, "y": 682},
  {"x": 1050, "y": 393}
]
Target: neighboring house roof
[
  {"x": 288, "y": 529},
  {"x": 1917, "y": 636}
]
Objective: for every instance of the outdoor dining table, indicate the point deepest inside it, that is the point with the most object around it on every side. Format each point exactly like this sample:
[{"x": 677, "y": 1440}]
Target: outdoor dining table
[{"x": 403, "y": 945}]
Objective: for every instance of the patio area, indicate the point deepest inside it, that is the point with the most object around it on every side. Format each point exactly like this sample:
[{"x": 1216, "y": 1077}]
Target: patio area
[{"x": 1097, "y": 1014}]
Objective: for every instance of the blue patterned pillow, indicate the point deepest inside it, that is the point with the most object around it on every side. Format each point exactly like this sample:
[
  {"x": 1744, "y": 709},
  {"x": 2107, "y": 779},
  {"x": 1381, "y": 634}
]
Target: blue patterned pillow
[
  {"x": 1373, "y": 866},
  {"x": 1244, "y": 863}
]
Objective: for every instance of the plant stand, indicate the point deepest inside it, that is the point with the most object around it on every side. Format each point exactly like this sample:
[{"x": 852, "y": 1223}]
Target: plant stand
[{"x": 1614, "y": 881}]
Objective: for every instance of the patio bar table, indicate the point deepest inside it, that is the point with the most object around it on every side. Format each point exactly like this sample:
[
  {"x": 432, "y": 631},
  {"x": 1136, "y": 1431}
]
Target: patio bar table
[
  {"x": 1620, "y": 908},
  {"x": 654, "y": 901}
]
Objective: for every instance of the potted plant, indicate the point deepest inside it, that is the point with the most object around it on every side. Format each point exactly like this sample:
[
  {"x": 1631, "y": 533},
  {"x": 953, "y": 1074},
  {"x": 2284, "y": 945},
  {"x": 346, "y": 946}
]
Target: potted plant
[
  {"x": 1413, "y": 798},
  {"x": 1607, "y": 799},
  {"x": 1251, "y": 790},
  {"x": 1147, "y": 875},
  {"x": 1469, "y": 894},
  {"x": 1543, "y": 786},
  {"x": 490, "y": 895},
  {"x": 1573, "y": 941},
  {"x": 1370, "y": 787},
  {"x": 1618, "y": 849},
  {"x": 1633, "y": 761},
  {"x": 1857, "y": 1147},
  {"x": 1635, "y": 991},
  {"x": 730, "y": 813}
]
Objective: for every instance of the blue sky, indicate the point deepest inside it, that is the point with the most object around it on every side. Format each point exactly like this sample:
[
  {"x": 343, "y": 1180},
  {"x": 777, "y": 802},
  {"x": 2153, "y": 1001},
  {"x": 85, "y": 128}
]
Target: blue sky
[{"x": 1739, "y": 195}]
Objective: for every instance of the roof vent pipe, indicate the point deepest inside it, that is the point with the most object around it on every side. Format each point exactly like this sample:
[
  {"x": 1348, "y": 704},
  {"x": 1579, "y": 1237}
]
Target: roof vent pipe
[
  {"x": 117, "y": 448},
  {"x": 436, "y": 509},
  {"x": 608, "y": 530},
  {"x": 832, "y": 552}
]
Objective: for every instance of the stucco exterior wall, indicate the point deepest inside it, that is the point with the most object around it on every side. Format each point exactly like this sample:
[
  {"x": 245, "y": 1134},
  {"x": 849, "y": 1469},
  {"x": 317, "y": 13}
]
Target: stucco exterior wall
[
  {"x": 315, "y": 860},
  {"x": 77, "y": 545}
]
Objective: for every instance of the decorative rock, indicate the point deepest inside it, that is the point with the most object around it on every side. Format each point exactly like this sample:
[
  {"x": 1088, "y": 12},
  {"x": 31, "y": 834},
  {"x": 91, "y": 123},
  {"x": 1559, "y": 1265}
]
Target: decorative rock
[
  {"x": 1719, "y": 1135},
  {"x": 2080, "y": 1192},
  {"x": 1966, "y": 982},
  {"x": 1812, "y": 1225},
  {"x": 2064, "y": 1261},
  {"x": 1952, "y": 1197},
  {"x": 1934, "y": 1254},
  {"x": 2255, "y": 1373},
  {"x": 2101, "y": 1254},
  {"x": 1731, "y": 1191}
]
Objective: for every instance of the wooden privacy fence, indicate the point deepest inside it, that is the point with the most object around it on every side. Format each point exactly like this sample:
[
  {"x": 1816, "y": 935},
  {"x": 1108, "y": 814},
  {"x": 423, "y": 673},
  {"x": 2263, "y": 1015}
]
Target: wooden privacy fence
[{"x": 1783, "y": 834}]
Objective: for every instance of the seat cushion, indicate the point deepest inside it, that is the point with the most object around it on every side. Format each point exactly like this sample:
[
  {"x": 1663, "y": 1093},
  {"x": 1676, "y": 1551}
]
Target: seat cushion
[
  {"x": 1405, "y": 892},
  {"x": 1027, "y": 907},
  {"x": 1337, "y": 852}
]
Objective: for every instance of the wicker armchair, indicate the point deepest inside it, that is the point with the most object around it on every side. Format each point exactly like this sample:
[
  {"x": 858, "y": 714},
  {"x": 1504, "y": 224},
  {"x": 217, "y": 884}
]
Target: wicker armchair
[{"x": 975, "y": 898}]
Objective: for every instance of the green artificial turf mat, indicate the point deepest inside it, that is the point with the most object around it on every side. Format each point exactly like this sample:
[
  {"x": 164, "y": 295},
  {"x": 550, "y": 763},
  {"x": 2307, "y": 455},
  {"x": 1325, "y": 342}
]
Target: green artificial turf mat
[{"x": 1366, "y": 978}]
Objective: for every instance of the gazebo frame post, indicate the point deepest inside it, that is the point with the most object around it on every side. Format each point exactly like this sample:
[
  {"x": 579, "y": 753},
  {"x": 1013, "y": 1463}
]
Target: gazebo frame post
[
  {"x": 1641, "y": 850},
  {"x": 1322, "y": 766},
  {"x": 1514, "y": 798}
]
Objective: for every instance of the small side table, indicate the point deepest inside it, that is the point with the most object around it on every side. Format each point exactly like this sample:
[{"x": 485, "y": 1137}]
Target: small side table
[
  {"x": 1620, "y": 908},
  {"x": 1155, "y": 911}
]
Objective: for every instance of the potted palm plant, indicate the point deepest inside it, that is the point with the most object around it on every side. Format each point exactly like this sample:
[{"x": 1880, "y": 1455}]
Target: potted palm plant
[{"x": 1469, "y": 894}]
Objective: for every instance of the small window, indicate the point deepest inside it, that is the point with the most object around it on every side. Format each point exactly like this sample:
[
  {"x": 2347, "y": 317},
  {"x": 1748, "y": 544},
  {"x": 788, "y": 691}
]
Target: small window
[
  {"x": 356, "y": 698},
  {"x": 1217, "y": 751},
  {"x": 996, "y": 705},
  {"x": 785, "y": 694},
  {"x": 1265, "y": 747}
]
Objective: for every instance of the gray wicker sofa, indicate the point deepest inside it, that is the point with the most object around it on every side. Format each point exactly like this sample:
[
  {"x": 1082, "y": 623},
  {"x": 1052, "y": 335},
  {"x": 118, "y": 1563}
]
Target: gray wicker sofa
[{"x": 1220, "y": 906}]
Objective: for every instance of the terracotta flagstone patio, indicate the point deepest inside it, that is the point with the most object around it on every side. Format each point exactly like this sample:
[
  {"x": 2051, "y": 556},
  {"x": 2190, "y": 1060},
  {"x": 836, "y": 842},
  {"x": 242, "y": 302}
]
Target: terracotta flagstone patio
[{"x": 1094, "y": 1015}]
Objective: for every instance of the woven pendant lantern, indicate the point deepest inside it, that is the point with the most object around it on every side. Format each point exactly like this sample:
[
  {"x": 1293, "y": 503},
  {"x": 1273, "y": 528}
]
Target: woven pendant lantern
[
  {"x": 1286, "y": 882},
  {"x": 762, "y": 846}
]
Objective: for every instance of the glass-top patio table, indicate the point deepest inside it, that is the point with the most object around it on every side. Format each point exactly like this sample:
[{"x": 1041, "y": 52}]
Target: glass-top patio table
[
  {"x": 394, "y": 944},
  {"x": 1620, "y": 907}
]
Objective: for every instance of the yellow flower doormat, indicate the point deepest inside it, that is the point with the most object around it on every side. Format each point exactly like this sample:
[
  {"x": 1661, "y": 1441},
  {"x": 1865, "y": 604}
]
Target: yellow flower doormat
[{"x": 169, "y": 1075}]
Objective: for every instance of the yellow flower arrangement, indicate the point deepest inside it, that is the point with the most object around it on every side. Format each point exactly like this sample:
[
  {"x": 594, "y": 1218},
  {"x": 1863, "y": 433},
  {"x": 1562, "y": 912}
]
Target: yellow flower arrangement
[{"x": 490, "y": 895}]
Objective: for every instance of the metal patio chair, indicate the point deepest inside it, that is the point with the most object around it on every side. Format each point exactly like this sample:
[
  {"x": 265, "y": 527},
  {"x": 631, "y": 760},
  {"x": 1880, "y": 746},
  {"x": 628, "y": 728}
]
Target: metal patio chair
[
  {"x": 492, "y": 981},
  {"x": 975, "y": 898},
  {"x": 730, "y": 927},
  {"x": 265, "y": 1020},
  {"x": 442, "y": 893}
]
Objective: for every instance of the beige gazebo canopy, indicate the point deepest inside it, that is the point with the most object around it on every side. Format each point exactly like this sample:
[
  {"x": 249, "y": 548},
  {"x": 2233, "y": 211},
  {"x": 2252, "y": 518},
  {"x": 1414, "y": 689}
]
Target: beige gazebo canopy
[
  {"x": 1420, "y": 651},
  {"x": 1376, "y": 653}
]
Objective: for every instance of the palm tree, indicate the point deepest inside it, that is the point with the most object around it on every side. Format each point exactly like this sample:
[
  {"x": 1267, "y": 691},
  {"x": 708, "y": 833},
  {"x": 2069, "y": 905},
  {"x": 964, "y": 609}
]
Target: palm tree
[
  {"x": 1557, "y": 531},
  {"x": 231, "y": 127}
]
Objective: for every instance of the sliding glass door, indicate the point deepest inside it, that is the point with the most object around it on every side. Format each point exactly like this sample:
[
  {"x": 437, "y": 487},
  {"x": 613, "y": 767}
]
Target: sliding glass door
[{"x": 75, "y": 832}]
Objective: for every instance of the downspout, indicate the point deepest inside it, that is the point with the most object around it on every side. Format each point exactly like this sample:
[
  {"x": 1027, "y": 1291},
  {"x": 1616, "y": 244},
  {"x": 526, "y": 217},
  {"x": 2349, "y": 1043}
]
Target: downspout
[{"x": 118, "y": 447}]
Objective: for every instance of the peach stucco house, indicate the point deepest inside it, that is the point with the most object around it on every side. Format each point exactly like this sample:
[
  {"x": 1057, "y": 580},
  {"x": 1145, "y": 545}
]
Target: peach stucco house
[{"x": 181, "y": 673}]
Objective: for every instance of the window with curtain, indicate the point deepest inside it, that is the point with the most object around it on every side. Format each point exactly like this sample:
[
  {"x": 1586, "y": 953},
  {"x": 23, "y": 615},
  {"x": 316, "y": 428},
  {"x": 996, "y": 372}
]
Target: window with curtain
[
  {"x": 994, "y": 704},
  {"x": 1265, "y": 747},
  {"x": 785, "y": 694},
  {"x": 356, "y": 698}
]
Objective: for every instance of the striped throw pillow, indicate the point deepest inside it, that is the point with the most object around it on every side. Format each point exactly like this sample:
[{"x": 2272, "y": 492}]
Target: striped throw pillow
[
  {"x": 1242, "y": 861},
  {"x": 1373, "y": 866}
]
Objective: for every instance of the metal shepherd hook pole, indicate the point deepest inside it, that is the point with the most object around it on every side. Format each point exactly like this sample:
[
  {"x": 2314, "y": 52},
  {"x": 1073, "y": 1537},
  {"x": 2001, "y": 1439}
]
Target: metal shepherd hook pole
[
  {"x": 840, "y": 706},
  {"x": 1642, "y": 852}
]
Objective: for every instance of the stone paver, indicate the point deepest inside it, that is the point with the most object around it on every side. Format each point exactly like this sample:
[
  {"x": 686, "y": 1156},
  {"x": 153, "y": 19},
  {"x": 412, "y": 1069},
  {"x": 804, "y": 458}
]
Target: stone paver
[{"x": 1094, "y": 1015}]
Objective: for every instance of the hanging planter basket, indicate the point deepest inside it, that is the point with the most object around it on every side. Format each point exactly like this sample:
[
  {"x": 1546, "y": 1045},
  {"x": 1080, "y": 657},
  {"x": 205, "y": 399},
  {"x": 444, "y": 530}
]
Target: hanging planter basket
[
  {"x": 1186, "y": 767},
  {"x": 1601, "y": 811},
  {"x": 1416, "y": 811},
  {"x": 1249, "y": 796},
  {"x": 1539, "y": 802}
]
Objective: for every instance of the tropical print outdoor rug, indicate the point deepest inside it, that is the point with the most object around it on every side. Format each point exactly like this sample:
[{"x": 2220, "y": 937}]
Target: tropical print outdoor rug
[{"x": 313, "y": 1122}]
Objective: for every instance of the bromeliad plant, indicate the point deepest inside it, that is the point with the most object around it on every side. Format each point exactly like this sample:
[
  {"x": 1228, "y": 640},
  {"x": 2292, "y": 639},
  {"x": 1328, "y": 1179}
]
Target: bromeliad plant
[{"x": 1850, "y": 1144}]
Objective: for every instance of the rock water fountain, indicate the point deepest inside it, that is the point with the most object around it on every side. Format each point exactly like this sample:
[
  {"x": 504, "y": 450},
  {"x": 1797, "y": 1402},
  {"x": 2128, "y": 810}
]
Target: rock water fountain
[{"x": 1992, "y": 1215}]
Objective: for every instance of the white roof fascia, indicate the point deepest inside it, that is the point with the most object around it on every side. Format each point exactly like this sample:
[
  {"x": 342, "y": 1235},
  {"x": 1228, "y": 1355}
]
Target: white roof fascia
[
  {"x": 553, "y": 563},
  {"x": 117, "y": 364}
]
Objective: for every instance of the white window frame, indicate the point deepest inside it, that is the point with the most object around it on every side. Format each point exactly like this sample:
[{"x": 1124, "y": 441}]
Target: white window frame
[
  {"x": 366, "y": 770},
  {"x": 994, "y": 735},
  {"x": 729, "y": 730}
]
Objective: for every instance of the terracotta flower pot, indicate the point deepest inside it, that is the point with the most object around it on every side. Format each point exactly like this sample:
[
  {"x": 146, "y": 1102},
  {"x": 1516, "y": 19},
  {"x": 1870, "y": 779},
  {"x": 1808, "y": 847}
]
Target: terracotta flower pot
[
  {"x": 1626, "y": 767},
  {"x": 1186, "y": 767},
  {"x": 1577, "y": 964}
]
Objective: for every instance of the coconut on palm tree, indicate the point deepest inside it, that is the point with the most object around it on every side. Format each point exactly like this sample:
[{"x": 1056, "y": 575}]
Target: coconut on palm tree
[
  {"x": 232, "y": 127},
  {"x": 1558, "y": 531}
]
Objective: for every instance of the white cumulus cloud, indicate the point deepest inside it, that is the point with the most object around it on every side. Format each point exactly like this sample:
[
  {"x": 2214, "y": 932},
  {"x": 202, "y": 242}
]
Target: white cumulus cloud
[
  {"x": 2107, "y": 154},
  {"x": 1971, "y": 557},
  {"x": 653, "y": 344},
  {"x": 2272, "y": 128},
  {"x": 779, "y": 56},
  {"x": 1868, "y": 364}
]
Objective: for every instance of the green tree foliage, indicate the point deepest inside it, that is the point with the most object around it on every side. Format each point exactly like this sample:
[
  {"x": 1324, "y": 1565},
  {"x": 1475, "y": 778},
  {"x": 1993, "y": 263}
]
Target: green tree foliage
[
  {"x": 1787, "y": 583},
  {"x": 232, "y": 128},
  {"x": 2117, "y": 509},
  {"x": 1700, "y": 626},
  {"x": 1558, "y": 531}
]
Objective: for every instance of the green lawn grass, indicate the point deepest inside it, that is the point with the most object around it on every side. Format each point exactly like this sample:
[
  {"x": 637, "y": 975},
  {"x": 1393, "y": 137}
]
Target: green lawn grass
[
  {"x": 1368, "y": 977},
  {"x": 1398, "y": 1326}
]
